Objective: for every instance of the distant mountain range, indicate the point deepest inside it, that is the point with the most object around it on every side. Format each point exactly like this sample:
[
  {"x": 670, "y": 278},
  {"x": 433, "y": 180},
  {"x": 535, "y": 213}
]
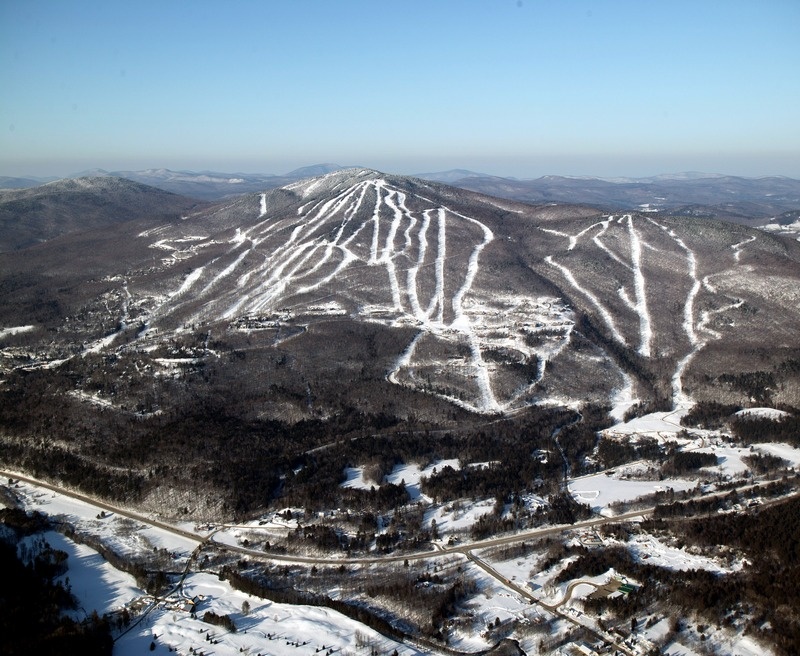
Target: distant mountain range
[
  {"x": 203, "y": 185},
  {"x": 745, "y": 200},
  {"x": 753, "y": 201}
]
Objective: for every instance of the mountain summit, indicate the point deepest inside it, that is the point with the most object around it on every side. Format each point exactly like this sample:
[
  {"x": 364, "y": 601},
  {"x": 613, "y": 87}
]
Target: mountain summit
[{"x": 486, "y": 304}]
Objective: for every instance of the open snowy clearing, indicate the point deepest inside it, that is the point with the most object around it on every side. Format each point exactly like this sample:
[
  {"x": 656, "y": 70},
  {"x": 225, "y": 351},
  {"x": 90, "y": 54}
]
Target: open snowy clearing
[
  {"x": 97, "y": 585},
  {"x": 268, "y": 627},
  {"x": 653, "y": 424},
  {"x": 785, "y": 451},
  {"x": 602, "y": 490},
  {"x": 762, "y": 413},
  {"x": 127, "y": 535},
  {"x": 409, "y": 475},
  {"x": 654, "y": 552},
  {"x": 15, "y": 330}
]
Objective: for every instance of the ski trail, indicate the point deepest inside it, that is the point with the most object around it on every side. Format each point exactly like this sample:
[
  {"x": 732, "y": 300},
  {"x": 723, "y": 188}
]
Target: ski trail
[
  {"x": 472, "y": 268},
  {"x": 411, "y": 275},
  {"x": 623, "y": 398},
  {"x": 645, "y": 328},
  {"x": 573, "y": 239},
  {"x": 226, "y": 271},
  {"x": 679, "y": 397},
  {"x": 376, "y": 221},
  {"x": 263, "y": 205},
  {"x": 441, "y": 244},
  {"x": 192, "y": 278},
  {"x": 405, "y": 358},
  {"x": 606, "y": 249},
  {"x": 691, "y": 264},
  {"x": 707, "y": 315},
  {"x": 488, "y": 402},
  {"x": 604, "y": 313},
  {"x": 462, "y": 322},
  {"x": 708, "y": 286},
  {"x": 737, "y": 248},
  {"x": 347, "y": 260},
  {"x": 542, "y": 361},
  {"x": 623, "y": 294},
  {"x": 412, "y": 222},
  {"x": 388, "y": 251}
]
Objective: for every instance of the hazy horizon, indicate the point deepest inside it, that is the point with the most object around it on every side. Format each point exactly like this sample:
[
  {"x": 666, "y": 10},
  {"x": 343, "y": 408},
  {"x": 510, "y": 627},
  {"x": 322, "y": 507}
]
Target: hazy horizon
[
  {"x": 509, "y": 88},
  {"x": 66, "y": 172}
]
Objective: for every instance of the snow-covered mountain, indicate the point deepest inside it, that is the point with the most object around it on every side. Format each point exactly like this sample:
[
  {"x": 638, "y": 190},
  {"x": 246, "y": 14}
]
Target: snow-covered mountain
[{"x": 485, "y": 303}]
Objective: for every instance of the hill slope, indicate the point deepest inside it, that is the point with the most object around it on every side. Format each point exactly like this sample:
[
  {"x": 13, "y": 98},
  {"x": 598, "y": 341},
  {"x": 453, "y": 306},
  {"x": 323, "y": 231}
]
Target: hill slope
[
  {"x": 33, "y": 215},
  {"x": 491, "y": 305}
]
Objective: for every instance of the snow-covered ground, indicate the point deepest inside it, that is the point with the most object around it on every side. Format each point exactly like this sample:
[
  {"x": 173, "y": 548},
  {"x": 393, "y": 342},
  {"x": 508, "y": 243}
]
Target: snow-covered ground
[
  {"x": 787, "y": 229},
  {"x": 408, "y": 475},
  {"x": 98, "y": 586},
  {"x": 654, "y": 552},
  {"x": 125, "y": 534},
  {"x": 654, "y": 424},
  {"x": 14, "y": 330},
  {"x": 268, "y": 627},
  {"x": 602, "y": 490},
  {"x": 785, "y": 451},
  {"x": 762, "y": 413}
]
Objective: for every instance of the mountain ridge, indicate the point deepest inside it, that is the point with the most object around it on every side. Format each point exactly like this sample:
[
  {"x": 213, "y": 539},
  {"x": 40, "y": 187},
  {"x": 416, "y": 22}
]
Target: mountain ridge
[
  {"x": 38, "y": 214},
  {"x": 471, "y": 276}
]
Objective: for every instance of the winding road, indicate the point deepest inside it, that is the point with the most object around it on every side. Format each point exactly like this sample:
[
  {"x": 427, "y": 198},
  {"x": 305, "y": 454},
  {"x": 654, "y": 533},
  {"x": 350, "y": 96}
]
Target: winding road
[{"x": 468, "y": 550}]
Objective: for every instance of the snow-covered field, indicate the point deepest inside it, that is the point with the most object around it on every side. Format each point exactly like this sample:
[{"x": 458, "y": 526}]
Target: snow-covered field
[
  {"x": 268, "y": 627},
  {"x": 602, "y": 490},
  {"x": 168, "y": 623}
]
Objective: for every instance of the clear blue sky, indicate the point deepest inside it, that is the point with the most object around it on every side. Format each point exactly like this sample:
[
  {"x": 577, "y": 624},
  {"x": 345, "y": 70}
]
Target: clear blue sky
[{"x": 525, "y": 88}]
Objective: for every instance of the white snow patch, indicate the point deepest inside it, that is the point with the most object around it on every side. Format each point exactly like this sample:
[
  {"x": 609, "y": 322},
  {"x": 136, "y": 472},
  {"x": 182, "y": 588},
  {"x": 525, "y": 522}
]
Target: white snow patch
[
  {"x": 762, "y": 413},
  {"x": 601, "y": 490},
  {"x": 655, "y": 552},
  {"x": 15, "y": 330}
]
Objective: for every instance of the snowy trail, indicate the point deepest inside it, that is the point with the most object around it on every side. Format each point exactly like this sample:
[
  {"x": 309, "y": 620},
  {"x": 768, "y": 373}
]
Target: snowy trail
[
  {"x": 388, "y": 253},
  {"x": 623, "y": 399},
  {"x": 422, "y": 240},
  {"x": 438, "y": 298},
  {"x": 192, "y": 278},
  {"x": 707, "y": 315},
  {"x": 737, "y": 248},
  {"x": 472, "y": 269},
  {"x": 691, "y": 264},
  {"x": 405, "y": 358},
  {"x": 228, "y": 270},
  {"x": 573, "y": 239},
  {"x": 606, "y": 249},
  {"x": 376, "y": 221},
  {"x": 462, "y": 322},
  {"x": 679, "y": 397},
  {"x": 638, "y": 305},
  {"x": 645, "y": 329},
  {"x": 604, "y": 313}
]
